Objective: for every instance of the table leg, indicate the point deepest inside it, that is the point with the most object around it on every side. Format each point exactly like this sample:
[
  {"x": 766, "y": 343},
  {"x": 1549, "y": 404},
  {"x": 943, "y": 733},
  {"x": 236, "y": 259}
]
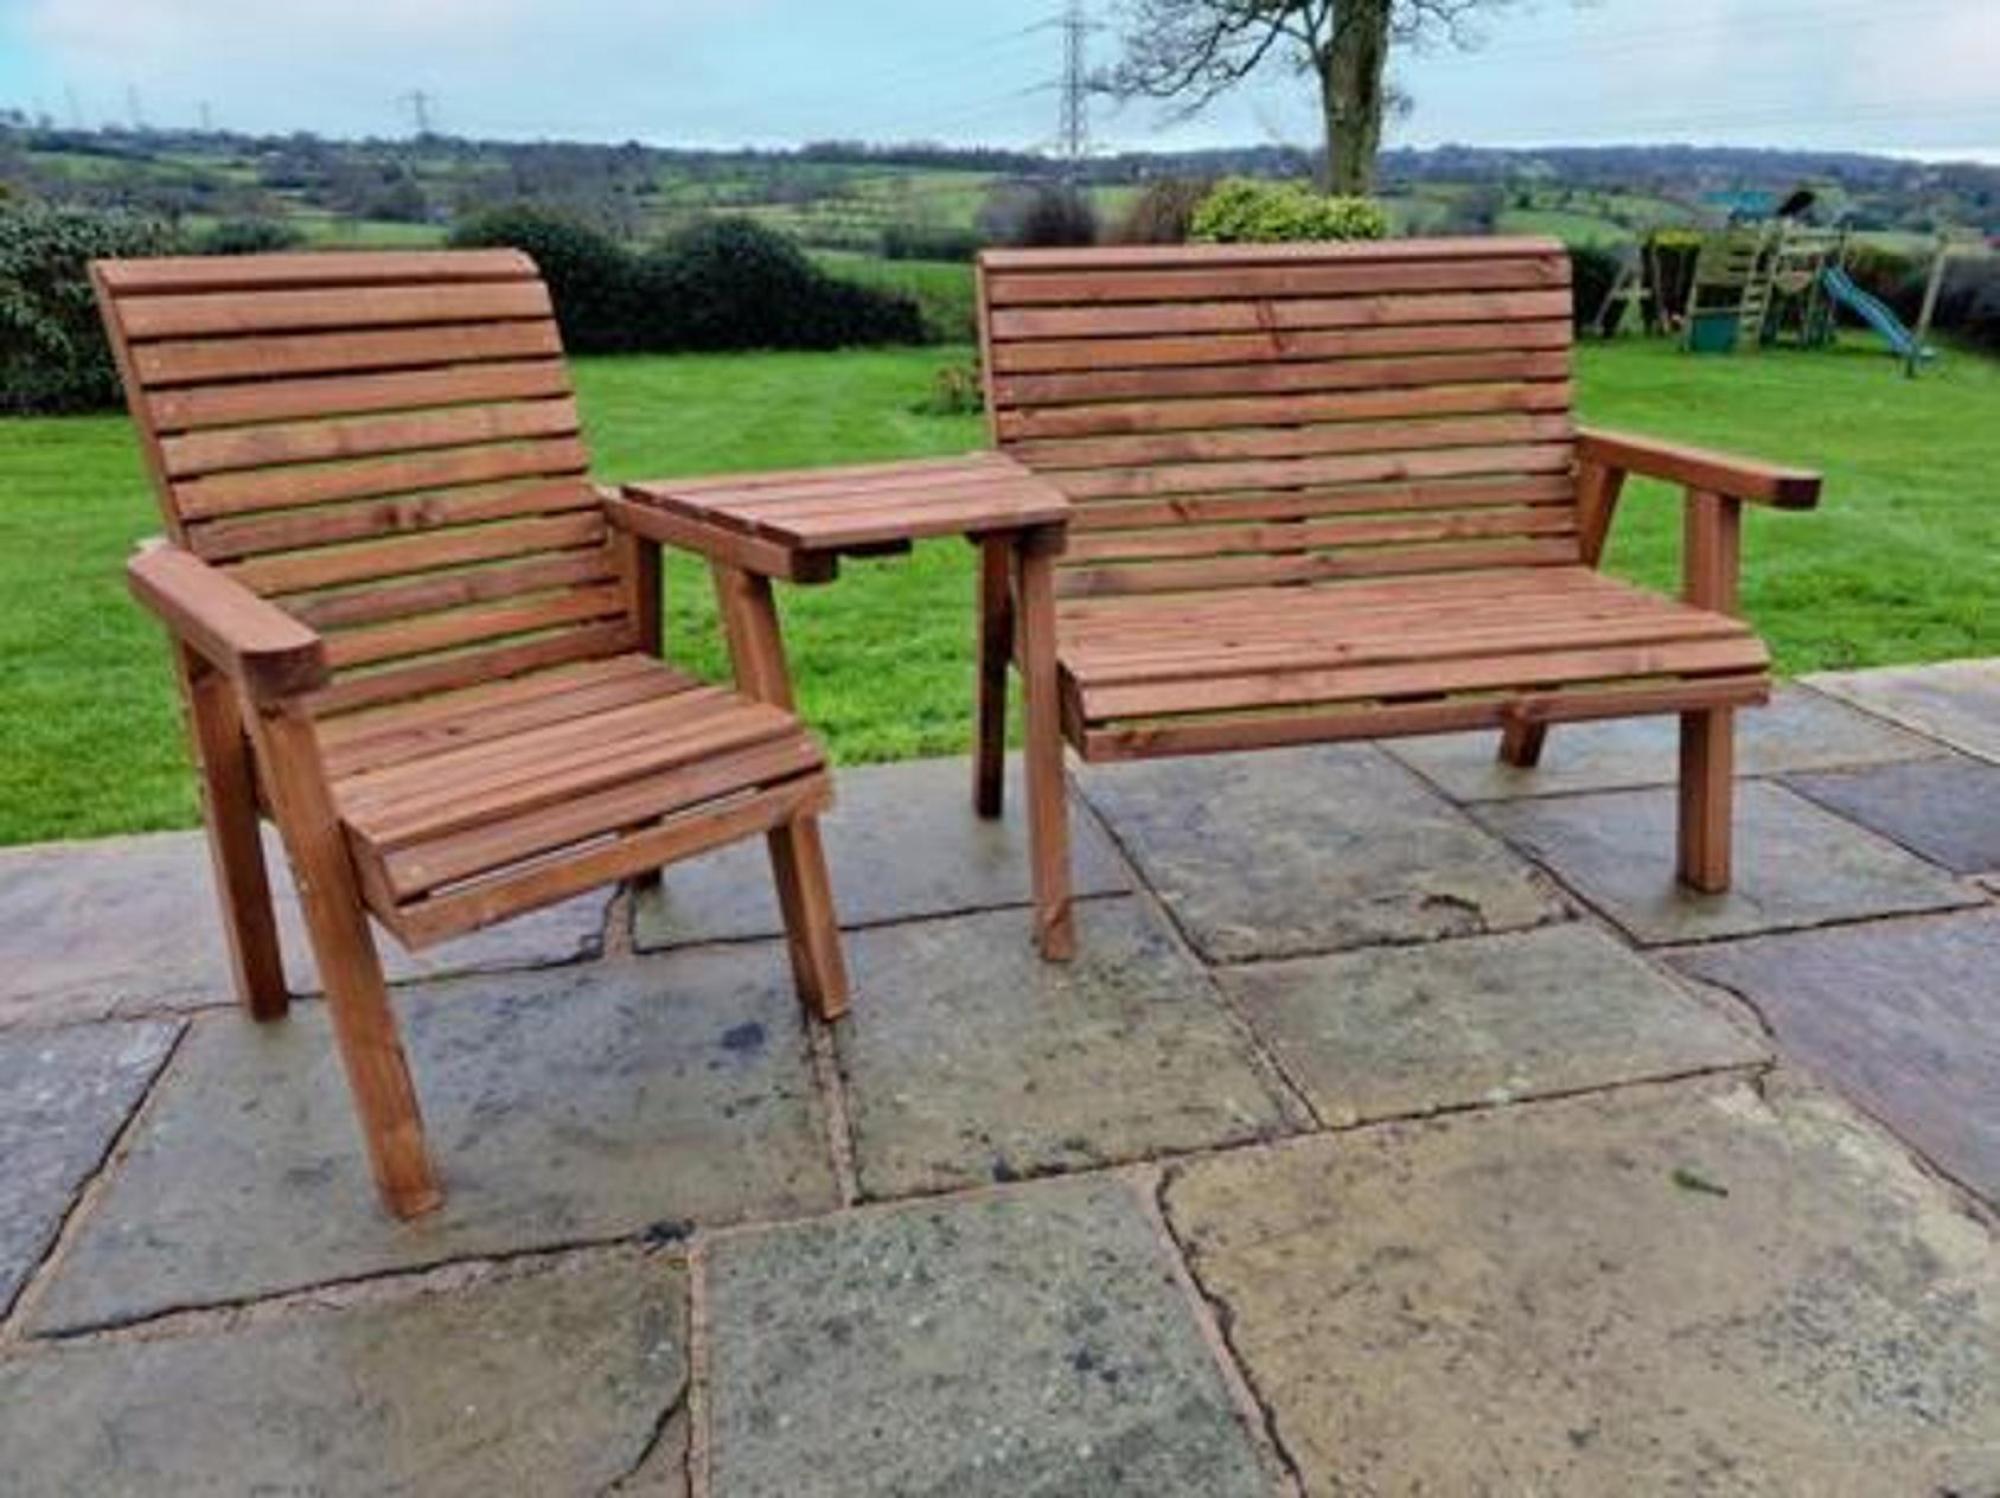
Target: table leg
[
  {"x": 1048, "y": 811},
  {"x": 996, "y": 647}
]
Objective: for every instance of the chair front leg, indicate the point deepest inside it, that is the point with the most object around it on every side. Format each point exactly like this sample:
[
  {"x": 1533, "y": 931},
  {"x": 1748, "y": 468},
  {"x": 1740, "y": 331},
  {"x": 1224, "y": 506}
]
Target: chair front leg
[
  {"x": 235, "y": 845},
  {"x": 996, "y": 638},
  {"x": 1048, "y": 807},
  {"x": 364, "y": 1023}
]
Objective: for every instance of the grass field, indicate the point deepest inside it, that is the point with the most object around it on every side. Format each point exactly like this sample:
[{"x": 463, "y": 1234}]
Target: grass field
[{"x": 1897, "y": 566}]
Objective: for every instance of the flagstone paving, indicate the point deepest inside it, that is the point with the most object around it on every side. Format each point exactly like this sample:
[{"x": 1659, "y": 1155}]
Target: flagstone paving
[
  {"x": 1795, "y": 864},
  {"x": 1021, "y": 1343},
  {"x": 900, "y": 843},
  {"x": 1902, "y": 1016},
  {"x": 61, "y": 962},
  {"x": 1353, "y": 1153},
  {"x": 1696, "y": 1290},
  {"x": 1485, "y": 1019},
  {"x": 1956, "y": 702},
  {"x": 438, "y": 1393},
  {"x": 1799, "y": 730},
  {"x": 1309, "y": 850},
  {"x": 573, "y": 1105},
  {"x": 972, "y": 1060},
  {"x": 1946, "y": 809}
]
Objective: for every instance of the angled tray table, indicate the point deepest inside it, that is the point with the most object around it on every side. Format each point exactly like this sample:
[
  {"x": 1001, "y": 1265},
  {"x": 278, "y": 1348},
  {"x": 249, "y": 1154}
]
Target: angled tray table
[{"x": 796, "y": 525}]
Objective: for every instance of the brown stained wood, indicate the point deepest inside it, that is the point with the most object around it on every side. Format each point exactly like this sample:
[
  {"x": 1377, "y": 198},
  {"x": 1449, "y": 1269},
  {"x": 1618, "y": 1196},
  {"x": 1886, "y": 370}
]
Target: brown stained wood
[
  {"x": 354, "y": 691},
  {"x": 1048, "y": 808},
  {"x": 1377, "y": 498},
  {"x": 236, "y": 852},
  {"x": 241, "y": 493},
  {"x": 1169, "y": 382},
  {"x": 364, "y": 1024},
  {"x": 478, "y": 624},
  {"x": 427, "y": 551},
  {"x": 1293, "y": 442},
  {"x": 267, "y": 653},
  {"x": 1257, "y": 314},
  {"x": 995, "y": 648},
  {"x": 1297, "y": 536},
  {"x": 202, "y": 407},
  {"x": 723, "y": 545},
  {"x": 1711, "y": 549},
  {"x": 1117, "y": 580},
  {"x": 200, "y": 361},
  {"x": 1699, "y": 468},
  {"x": 434, "y": 592},
  {"x": 1521, "y": 744},
  {"x": 316, "y": 268},
  {"x": 1268, "y": 473},
  {"x": 1022, "y": 428},
  {"x": 805, "y": 898},
  {"x": 273, "y": 445},
  {"x": 1707, "y": 798},
  {"x": 1056, "y": 356},
  {"x": 639, "y": 572},
  {"x": 1597, "y": 492},
  {"x": 1302, "y": 274},
  {"x": 248, "y": 535},
  {"x": 243, "y": 312}
]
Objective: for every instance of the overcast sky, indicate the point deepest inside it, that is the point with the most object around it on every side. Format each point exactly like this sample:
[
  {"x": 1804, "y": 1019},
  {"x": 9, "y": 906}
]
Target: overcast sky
[{"x": 1910, "y": 76}]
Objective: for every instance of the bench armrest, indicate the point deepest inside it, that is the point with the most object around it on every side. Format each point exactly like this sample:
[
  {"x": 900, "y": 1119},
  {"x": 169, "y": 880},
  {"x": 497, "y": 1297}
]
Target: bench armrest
[
  {"x": 269, "y": 654},
  {"x": 1701, "y": 469}
]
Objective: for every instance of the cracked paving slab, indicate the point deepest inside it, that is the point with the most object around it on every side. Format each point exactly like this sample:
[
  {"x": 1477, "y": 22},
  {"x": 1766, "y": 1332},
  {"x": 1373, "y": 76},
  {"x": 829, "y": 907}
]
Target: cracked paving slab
[
  {"x": 557, "y": 1381},
  {"x": 1485, "y": 1019},
  {"x": 130, "y": 925},
  {"x": 901, "y": 842},
  {"x": 1693, "y": 1288},
  {"x": 1287, "y": 851},
  {"x": 1796, "y": 864},
  {"x": 1902, "y": 1016},
  {"x": 564, "y": 1106},
  {"x": 1033, "y": 1342},
  {"x": 971, "y": 1060},
  {"x": 64, "y": 1095},
  {"x": 1799, "y": 730}
]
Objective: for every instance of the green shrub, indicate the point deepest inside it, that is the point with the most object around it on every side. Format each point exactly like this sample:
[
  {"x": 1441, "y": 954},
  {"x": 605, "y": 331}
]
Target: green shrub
[
  {"x": 1163, "y": 213},
  {"x": 731, "y": 283},
  {"x": 905, "y": 241},
  {"x": 1593, "y": 271},
  {"x": 1037, "y": 215},
  {"x": 591, "y": 277},
  {"x": 53, "y": 356},
  {"x": 249, "y": 236},
  {"x": 1242, "y": 211}
]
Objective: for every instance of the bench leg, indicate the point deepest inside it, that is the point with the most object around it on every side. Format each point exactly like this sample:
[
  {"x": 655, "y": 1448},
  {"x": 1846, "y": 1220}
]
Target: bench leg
[
  {"x": 235, "y": 848},
  {"x": 1521, "y": 744},
  {"x": 1048, "y": 810},
  {"x": 364, "y": 1024},
  {"x": 996, "y": 638},
  {"x": 798, "y": 865},
  {"x": 1708, "y": 786}
]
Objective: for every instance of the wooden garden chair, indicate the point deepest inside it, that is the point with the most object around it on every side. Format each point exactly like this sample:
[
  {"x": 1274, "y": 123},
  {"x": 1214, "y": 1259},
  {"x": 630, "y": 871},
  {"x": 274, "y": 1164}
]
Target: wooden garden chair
[
  {"x": 1326, "y": 492},
  {"x": 407, "y": 632}
]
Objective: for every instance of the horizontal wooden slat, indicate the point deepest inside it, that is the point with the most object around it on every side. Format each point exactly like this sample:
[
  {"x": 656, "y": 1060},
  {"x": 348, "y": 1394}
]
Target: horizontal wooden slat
[
  {"x": 264, "y": 447},
  {"x": 475, "y": 624},
  {"x": 1170, "y": 382},
  {"x": 376, "y": 602},
  {"x": 186, "y": 273},
  {"x": 1278, "y": 539},
  {"x": 1300, "y": 504},
  {"x": 357, "y": 690},
  {"x": 1057, "y": 355},
  {"x": 1231, "y": 313},
  {"x": 211, "y": 314},
  {"x": 1291, "y": 442},
  {"x": 202, "y": 407},
  {"x": 288, "y": 530},
  {"x": 1022, "y": 429},
  {"x": 1311, "y": 567},
  {"x": 1308, "y": 270},
  {"x": 1274, "y": 473},
  {"x": 201, "y": 360},
  {"x": 326, "y": 567},
  {"x": 243, "y": 493}
]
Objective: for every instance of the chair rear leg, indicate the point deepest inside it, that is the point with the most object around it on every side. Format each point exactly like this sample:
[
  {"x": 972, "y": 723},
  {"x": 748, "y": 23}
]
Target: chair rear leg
[
  {"x": 805, "y": 896},
  {"x": 235, "y": 848},
  {"x": 996, "y": 638},
  {"x": 1521, "y": 744},
  {"x": 1707, "y": 798}
]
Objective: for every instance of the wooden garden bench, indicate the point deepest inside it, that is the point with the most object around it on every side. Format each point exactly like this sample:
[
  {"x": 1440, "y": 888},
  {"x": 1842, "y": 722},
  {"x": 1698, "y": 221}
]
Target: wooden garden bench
[
  {"x": 409, "y": 631},
  {"x": 1326, "y": 492}
]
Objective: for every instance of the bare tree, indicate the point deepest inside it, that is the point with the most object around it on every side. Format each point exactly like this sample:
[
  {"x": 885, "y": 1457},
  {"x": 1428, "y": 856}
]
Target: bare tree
[{"x": 1194, "y": 50}]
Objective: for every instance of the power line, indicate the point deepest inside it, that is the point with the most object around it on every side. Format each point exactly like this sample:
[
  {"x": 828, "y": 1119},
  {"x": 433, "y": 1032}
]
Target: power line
[{"x": 419, "y": 102}]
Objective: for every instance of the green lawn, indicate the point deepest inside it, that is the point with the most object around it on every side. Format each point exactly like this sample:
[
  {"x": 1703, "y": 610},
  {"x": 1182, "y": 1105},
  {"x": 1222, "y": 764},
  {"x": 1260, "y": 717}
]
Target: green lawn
[{"x": 1898, "y": 566}]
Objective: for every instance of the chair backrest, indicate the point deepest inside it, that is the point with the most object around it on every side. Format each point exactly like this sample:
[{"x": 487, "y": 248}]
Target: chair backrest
[
  {"x": 1225, "y": 416},
  {"x": 386, "y": 445}
]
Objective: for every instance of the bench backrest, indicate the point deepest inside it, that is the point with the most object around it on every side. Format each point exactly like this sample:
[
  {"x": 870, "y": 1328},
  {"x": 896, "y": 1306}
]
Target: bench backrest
[
  {"x": 1224, "y": 416},
  {"x": 384, "y": 444}
]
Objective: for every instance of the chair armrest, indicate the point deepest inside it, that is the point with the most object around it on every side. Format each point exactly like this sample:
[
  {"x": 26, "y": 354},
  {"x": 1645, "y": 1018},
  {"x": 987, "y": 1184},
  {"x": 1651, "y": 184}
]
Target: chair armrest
[
  {"x": 722, "y": 548},
  {"x": 1701, "y": 469},
  {"x": 267, "y": 652}
]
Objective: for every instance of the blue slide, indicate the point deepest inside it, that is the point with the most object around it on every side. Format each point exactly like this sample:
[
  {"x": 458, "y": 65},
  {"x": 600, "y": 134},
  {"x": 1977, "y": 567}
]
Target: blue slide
[{"x": 1871, "y": 310}]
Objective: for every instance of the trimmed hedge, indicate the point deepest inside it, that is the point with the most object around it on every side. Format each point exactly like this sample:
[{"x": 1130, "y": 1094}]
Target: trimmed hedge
[
  {"x": 1242, "y": 211},
  {"x": 591, "y": 278},
  {"x": 53, "y": 356},
  {"x": 1593, "y": 271}
]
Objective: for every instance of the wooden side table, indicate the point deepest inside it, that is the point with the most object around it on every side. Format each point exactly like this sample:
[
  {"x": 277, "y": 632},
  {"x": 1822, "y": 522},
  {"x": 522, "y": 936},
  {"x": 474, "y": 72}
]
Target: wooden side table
[{"x": 795, "y": 526}]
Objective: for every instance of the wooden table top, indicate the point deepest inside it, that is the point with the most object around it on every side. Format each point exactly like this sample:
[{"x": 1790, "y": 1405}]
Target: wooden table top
[{"x": 864, "y": 506}]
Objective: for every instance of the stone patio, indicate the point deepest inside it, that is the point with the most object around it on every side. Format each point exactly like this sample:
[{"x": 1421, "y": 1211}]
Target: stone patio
[{"x": 1400, "y": 1128}]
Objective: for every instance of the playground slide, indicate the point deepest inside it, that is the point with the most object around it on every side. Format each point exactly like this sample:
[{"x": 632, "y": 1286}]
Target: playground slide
[{"x": 1871, "y": 310}]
